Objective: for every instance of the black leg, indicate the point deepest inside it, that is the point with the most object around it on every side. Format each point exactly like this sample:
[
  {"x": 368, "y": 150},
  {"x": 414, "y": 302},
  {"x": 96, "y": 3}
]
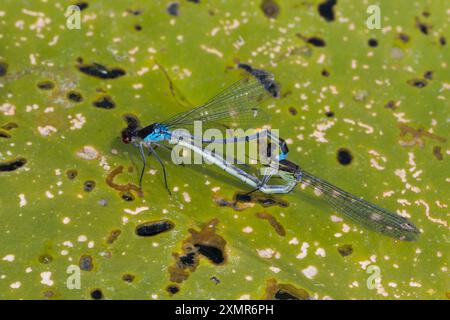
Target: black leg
[
  {"x": 163, "y": 167},
  {"x": 144, "y": 161}
]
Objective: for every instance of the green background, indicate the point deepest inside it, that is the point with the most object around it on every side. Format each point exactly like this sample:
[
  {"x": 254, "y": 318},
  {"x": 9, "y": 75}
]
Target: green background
[{"x": 196, "y": 52}]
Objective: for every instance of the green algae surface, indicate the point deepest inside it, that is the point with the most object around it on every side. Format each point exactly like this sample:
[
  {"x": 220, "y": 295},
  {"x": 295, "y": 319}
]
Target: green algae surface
[{"x": 366, "y": 109}]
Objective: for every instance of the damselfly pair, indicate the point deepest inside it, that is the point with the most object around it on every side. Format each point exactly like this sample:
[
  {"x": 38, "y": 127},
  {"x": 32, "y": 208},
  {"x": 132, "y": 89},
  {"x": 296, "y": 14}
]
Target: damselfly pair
[{"x": 236, "y": 104}]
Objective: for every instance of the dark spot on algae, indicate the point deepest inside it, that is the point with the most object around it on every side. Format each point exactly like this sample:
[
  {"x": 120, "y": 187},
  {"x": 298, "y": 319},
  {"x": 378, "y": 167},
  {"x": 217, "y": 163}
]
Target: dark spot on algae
[
  {"x": 265, "y": 78},
  {"x": 442, "y": 41},
  {"x": 113, "y": 236},
  {"x": 3, "y": 68},
  {"x": 4, "y": 134},
  {"x": 104, "y": 102},
  {"x": 137, "y": 27},
  {"x": 127, "y": 196},
  {"x": 173, "y": 289},
  {"x": 316, "y": 42},
  {"x": 437, "y": 152},
  {"x": 121, "y": 187},
  {"x": 293, "y": 111},
  {"x": 345, "y": 250},
  {"x": 273, "y": 222},
  {"x": 326, "y": 10},
  {"x": 71, "y": 174},
  {"x": 418, "y": 83},
  {"x": 131, "y": 120},
  {"x": 344, "y": 156},
  {"x": 86, "y": 263},
  {"x": 428, "y": 75},
  {"x": 12, "y": 164},
  {"x": 173, "y": 9},
  {"x": 45, "y": 258},
  {"x": 404, "y": 37},
  {"x": 96, "y": 294},
  {"x": 276, "y": 291},
  {"x": 46, "y": 85},
  {"x": 153, "y": 228},
  {"x": 127, "y": 277},
  {"x": 89, "y": 185},
  {"x": 82, "y": 5},
  {"x": 393, "y": 105},
  {"x": 135, "y": 12},
  {"x": 325, "y": 73},
  {"x": 329, "y": 114},
  {"x": 100, "y": 71},
  {"x": 10, "y": 125},
  {"x": 74, "y": 96},
  {"x": 373, "y": 43},
  {"x": 201, "y": 243},
  {"x": 270, "y": 8},
  {"x": 423, "y": 27},
  {"x": 243, "y": 201}
]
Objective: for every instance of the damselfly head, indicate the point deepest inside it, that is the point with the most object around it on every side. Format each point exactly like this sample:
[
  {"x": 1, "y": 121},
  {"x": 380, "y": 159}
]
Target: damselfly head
[{"x": 128, "y": 134}]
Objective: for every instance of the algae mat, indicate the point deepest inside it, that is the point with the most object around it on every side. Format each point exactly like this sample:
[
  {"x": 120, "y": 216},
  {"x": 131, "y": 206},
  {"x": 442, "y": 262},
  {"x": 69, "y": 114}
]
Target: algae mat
[{"x": 365, "y": 108}]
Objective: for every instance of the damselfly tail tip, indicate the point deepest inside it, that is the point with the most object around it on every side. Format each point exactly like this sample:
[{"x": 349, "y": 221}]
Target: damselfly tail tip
[{"x": 266, "y": 79}]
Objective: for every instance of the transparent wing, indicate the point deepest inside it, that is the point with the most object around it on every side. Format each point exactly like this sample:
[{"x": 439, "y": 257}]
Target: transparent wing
[
  {"x": 363, "y": 212},
  {"x": 238, "y": 103}
]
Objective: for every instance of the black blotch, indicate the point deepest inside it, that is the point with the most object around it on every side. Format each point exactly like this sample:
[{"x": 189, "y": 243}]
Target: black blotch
[
  {"x": 13, "y": 164},
  {"x": 284, "y": 295},
  {"x": 437, "y": 152},
  {"x": 100, "y": 71},
  {"x": 293, "y": 111},
  {"x": 82, "y": 5},
  {"x": 104, "y": 102},
  {"x": 264, "y": 77},
  {"x": 173, "y": 289},
  {"x": 428, "y": 75},
  {"x": 214, "y": 254},
  {"x": 74, "y": 96},
  {"x": 71, "y": 174},
  {"x": 316, "y": 42},
  {"x": 148, "y": 229},
  {"x": 329, "y": 114},
  {"x": 3, "y": 68},
  {"x": 442, "y": 41},
  {"x": 243, "y": 197},
  {"x": 188, "y": 260},
  {"x": 404, "y": 37},
  {"x": 46, "y": 85},
  {"x": 4, "y": 134},
  {"x": 89, "y": 185},
  {"x": 426, "y": 14},
  {"x": 137, "y": 27},
  {"x": 326, "y": 9},
  {"x": 423, "y": 27},
  {"x": 45, "y": 258},
  {"x": 9, "y": 126},
  {"x": 173, "y": 9},
  {"x": 344, "y": 156},
  {"x": 194, "y": 1},
  {"x": 86, "y": 263},
  {"x": 418, "y": 83},
  {"x": 127, "y": 196},
  {"x": 373, "y": 43},
  {"x": 270, "y": 8},
  {"x": 127, "y": 277},
  {"x": 345, "y": 250},
  {"x": 325, "y": 73},
  {"x": 96, "y": 294},
  {"x": 131, "y": 120}
]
